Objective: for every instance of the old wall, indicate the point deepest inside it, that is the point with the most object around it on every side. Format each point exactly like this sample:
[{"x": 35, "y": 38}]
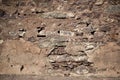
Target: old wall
[{"x": 60, "y": 37}]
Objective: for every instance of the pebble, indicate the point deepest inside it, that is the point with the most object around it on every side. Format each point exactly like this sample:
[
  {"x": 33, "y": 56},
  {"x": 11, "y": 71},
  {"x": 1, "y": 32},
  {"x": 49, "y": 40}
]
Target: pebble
[
  {"x": 21, "y": 32},
  {"x": 99, "y": 2},
  {"x": 71, "y": 15},
  {"x": 81, "y": 70},
  {"x": 57, "y": 58},
  {"x": 62, "y": 58},
  {"x": 42, "y": 33},
  {"x": 46, "y": 33},
  {"x": 1, "y": 41},
  {"x": 31, "y": 39},
  {"x": 66, "y": 33},
  {"x": 77, "y": 17},
  {"x": 89, "y": 47},
  {"x": 79, "y": 58},
  {"x": 53, "y": 41},
  {"x": 57, "y": 15}
]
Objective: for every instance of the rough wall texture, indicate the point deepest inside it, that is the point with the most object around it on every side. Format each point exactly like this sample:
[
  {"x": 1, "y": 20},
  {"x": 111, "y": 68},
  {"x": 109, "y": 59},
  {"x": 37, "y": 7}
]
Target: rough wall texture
[{"x": 60, "y": 37}]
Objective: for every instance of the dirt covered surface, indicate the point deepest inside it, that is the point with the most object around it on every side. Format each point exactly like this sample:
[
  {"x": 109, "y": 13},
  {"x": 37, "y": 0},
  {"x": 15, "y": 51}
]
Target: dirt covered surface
[{"x": 60, "y": 38}]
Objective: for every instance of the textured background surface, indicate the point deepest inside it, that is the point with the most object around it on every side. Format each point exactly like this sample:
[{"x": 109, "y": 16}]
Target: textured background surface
[{"x": 60, "y": 38}]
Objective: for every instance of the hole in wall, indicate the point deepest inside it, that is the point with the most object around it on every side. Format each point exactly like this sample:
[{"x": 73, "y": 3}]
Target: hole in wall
[{"x": 22, "y": 67}]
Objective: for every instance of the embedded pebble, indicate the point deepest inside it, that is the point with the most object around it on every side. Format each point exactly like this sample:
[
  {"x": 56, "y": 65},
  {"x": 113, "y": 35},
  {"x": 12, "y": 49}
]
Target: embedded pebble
[{"x": 1, "y": 41}]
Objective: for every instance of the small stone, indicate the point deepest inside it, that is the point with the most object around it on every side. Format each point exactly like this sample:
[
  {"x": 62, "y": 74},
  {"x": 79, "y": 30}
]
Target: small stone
[
  {"x": 77, "y": 17},
  {"x": 39, "y": 10},
  {"x": 89, "y": 47},
  {"x": 31, "y": 39},
  {"x": 99, "y": 2},
  {"x": 70, "y": 15},
  {"x": 19, "y": 24},
  {"x": 78, "y": 58},
  {"x": 21, "y": 32},
  {"x": 58, "y": 15},
  {"x": 66, "y": 33},
  {"x": 57, "y": 58},
  {"x": 33, "y": 9},
  {"x": 1, "y": 41},
  {"x": 42, "y": 34},
  {"x": 53, "y": 41},
  {"x": 64, "y": 58},
  {"x": 81, "y": 70}
]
